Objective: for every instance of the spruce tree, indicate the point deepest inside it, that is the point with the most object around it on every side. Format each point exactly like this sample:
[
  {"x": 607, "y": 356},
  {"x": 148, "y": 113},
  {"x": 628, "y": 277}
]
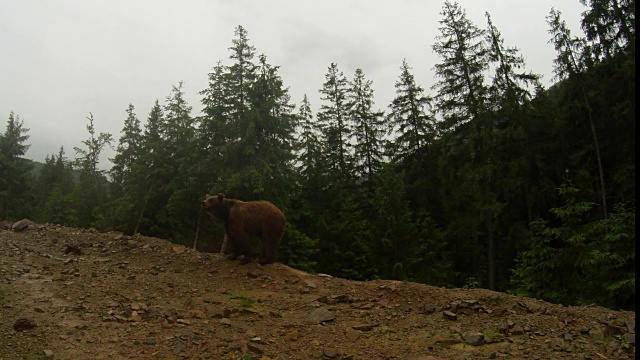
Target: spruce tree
[
  {"x": 467, "y": 163},
  {"x": 55, "y": 186},
  {"x": 610, "y": 27},
  {"x": 180, "y": 142},
  {"x": 14, "y": 170},
  {"x": 212, "y": 127},
  {"x": 511, "y": 86},
  {"x": 312, "y": 175},
  {"x": 236, "y": 153},
  {"x": 461, "y": 90},
  {"x": 127, "y": 151},
  {"x": 409, "y": 120},
  {"x": 269, "y": 139},
  {"x": 334, "y": 123},
  {"x": 572, "y": 62},
  {"x": 367, "y": 127},
  {"x": 153, "y": 172},
  {"x": 509, "y": 96},
  {"x": 126, "y": 186},
  {"x": 91, "y": 192}
]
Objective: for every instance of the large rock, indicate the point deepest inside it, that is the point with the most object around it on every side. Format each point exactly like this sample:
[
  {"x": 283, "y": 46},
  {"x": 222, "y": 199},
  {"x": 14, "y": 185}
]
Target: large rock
[
  {"x": 21, "y": 225},
  {"x": 473, "y": 338},
  {"x": 320, "y": 315}
]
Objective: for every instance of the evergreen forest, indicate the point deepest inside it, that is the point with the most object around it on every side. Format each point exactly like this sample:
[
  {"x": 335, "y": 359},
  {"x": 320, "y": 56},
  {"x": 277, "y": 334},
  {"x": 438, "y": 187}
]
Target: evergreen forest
[{"x": 485, "y": 180}]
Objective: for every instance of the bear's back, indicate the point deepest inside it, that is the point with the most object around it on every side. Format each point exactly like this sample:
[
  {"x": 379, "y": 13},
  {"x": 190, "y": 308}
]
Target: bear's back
[{"x": 254, "y": 216}]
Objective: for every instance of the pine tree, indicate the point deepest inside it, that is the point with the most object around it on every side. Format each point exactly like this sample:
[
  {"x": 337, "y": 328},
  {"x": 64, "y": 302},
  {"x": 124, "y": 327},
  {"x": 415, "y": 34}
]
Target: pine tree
[
  {"x": 572, "y": 61},
  {"x": 242, "y": 72},
  {"x": 274, "y": 129},
  {"x": 461, "y": 91},
  {"x": 510, "y": 95},
  {"x": 237, "y": 152},
  {"x": 91, "y": 192},
  {"x": 409, "y": 119},
  {"x": 309, "y": 147},
  {"x": 312, "y": 176},
  {"x": 238, "y": 79},
  {"x": 55, "y": 185},
  {"x": 127, "y": 151},
  {"x": 126, "y": 186},
  {"x": 467, "y": 164},
  {"x": 334, "y": 123},
  {"x": 510, "y": 89},
  {"x": 181, "y": 143},
  {"x": 212, "y": 134},
  {"x": 610, "y": 26},
  {"x": 570, "y": 261},
  {"x": 154, "y": 172},
  {"x": 14, "y": 170},
  {"x": 367, "y": 127}
]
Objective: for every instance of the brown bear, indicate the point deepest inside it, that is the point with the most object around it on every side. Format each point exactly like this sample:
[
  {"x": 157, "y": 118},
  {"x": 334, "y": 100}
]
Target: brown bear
[{"x": 244, "y": 218}]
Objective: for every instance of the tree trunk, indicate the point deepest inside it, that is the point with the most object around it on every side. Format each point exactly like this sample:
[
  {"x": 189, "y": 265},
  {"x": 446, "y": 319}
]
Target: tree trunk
[
  {"x": 144, "y": 206},
  {"x": 195, "y": 241}
]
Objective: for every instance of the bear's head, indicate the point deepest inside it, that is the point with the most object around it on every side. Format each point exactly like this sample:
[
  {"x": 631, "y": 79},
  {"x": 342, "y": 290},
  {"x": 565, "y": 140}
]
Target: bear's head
[
  {"x": 211, "y": 201},
  {"x": 216, "y": 206}
]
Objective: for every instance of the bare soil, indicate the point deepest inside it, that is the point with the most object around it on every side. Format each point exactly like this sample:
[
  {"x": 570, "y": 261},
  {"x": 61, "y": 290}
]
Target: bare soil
[{"x": 79, "y": 294}]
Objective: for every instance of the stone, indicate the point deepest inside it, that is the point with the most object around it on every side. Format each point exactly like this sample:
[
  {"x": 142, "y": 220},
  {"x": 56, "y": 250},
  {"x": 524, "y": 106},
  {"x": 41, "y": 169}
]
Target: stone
[
  {"x": 631, "y": 326},
  {"x": 180, "y": 345},
  {"x": 473, "y": 338},
  {"x": 428, "y": 308},
  {"x": 517, "y": 330},
  {"x": 291, "y": 335},
  {"x": 449, "y": 315},
  {"x": 351, "y": 334},
  {"x": 178, "y": 249},
  {"x": 319, "y": 315},
  {"x": 48, "y": 353},
  {"x": 23, "y": 324},
  {"x": 364, "y": 327},
  {"x": 330, "y": 353},
  {"x": 21, "y": 225},
  {"x": 255, "y": 348}
]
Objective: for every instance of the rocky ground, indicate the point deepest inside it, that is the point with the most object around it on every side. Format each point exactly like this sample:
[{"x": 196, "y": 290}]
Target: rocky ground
[{"x": 79, "y": 294}]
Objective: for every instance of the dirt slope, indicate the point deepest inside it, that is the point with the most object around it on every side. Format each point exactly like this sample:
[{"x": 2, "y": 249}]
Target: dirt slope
[{"x": 97, "y": 295}]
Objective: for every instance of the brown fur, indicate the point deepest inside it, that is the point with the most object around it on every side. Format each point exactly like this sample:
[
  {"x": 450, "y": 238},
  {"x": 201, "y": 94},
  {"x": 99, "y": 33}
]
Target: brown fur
[{"x": 245, "y": 218}]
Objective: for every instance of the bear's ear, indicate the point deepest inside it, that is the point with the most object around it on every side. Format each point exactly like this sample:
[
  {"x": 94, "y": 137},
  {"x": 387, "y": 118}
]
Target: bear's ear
[
  {"x": 206, "y": 196},
  {"x": 220, "y": 196}
]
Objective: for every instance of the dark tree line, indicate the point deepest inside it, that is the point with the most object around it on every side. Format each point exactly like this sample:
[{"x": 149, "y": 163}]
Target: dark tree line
[{"x": 489, "y": 181}]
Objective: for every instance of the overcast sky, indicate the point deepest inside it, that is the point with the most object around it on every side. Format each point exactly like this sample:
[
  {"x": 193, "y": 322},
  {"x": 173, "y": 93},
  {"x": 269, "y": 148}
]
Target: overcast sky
[{"x": 60, "y": 60}]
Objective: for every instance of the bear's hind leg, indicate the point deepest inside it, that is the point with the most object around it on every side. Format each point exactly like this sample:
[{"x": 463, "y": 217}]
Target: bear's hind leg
[
  {"x": 268, "y": 252},
  {"x": 245, "y": 249},
  {"x": 265, "y": 252}
]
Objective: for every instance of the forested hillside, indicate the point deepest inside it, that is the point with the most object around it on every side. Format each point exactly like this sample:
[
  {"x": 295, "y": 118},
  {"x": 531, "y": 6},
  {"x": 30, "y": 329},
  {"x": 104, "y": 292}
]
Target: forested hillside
[{"x": 485, "y": 180}]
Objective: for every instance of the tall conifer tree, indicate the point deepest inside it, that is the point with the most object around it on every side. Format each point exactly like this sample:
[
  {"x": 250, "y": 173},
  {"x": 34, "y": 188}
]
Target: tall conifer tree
[
  {"x": 13, "y": 168},
  {"x": 367, "y": 127},
  {"x": 334, "y": 123},
  {"x": 409, "y": 119}
]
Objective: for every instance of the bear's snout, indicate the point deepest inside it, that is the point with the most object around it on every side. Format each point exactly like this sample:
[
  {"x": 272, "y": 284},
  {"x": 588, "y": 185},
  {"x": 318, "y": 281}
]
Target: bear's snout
[{"x": 203, "y": 204}]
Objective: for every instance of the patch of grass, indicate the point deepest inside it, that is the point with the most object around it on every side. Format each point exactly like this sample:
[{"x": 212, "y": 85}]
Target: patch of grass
[
  {"x": 245, "y": 300},
  {"x": 491, "y": 336}
]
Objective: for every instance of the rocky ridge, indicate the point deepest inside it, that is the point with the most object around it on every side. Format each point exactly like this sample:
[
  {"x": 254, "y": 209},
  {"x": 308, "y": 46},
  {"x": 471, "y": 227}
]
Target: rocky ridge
[{"x": 79, "y": 294}]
